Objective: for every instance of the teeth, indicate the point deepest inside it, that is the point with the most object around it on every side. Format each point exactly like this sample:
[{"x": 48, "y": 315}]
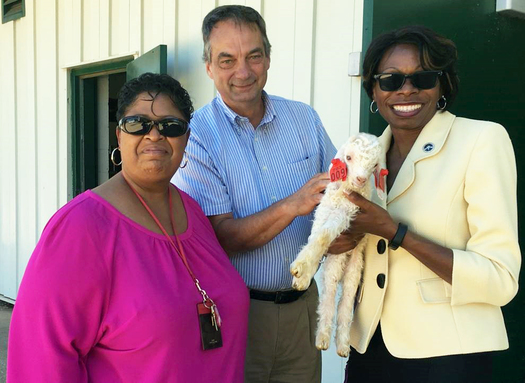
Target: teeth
[{"x": 407, "y": 108}]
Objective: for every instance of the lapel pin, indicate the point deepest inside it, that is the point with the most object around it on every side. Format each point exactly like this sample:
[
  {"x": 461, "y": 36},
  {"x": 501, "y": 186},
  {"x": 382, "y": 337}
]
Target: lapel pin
[{"x": 428, "y": 147}]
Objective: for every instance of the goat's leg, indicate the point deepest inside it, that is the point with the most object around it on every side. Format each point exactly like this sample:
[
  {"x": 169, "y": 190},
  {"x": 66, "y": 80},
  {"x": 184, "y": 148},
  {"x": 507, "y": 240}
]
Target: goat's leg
[
  {"x": 345, "y": 310},
  {"x": 307, "y": 261},
  {"x": 331, "y": 275}
]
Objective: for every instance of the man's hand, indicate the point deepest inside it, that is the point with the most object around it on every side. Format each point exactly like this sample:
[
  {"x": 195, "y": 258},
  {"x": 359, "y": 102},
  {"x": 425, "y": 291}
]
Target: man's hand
[
  {"x": 304, "y": 200},
  {"x": 256, "y": 230}
]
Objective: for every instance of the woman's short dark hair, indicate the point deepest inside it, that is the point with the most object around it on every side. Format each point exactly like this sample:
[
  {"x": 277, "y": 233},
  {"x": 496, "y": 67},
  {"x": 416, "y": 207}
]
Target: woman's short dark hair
[
  {"x": 435, "y": 53},
  {"x": 154, "y": 84},
  {"x": 239, "y": 14}
]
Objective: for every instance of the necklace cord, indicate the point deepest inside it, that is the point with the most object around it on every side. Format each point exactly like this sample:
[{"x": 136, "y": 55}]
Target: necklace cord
[{"x": 208, "y": 302}]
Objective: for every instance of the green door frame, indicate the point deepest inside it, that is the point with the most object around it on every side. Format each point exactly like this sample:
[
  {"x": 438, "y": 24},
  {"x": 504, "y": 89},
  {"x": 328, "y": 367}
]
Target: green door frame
[
  {"x": 368, "y": 20},
  {"x": 81, "y": 138},
  {"x": 83, "y": 114}
]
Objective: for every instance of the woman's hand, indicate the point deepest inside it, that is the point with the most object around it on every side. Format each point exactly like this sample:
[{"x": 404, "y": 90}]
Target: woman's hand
[
  {"x": 345, "y": 242},
  {"x": 372, "y": 218},
  {"x": 375, "y": 220}
]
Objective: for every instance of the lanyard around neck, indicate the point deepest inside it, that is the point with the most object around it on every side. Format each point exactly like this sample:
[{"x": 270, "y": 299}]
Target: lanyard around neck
[{"x": 180, "y": 251}]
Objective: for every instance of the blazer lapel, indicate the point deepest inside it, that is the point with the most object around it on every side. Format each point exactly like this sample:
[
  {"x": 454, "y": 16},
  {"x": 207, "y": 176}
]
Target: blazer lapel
[{"x": 428, "y": 144}]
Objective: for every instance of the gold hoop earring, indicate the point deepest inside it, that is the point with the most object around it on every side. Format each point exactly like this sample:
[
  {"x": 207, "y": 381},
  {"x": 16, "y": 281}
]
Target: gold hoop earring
[
  {"x": 185, "y": 161},
  {"x": 372, "y": 110},
  {"x": 113, "y": 157}
]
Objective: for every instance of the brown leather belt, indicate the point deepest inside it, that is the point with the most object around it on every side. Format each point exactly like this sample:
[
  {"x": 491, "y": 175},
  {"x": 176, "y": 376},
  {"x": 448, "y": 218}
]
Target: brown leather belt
[{"x": 285, "y": 296}]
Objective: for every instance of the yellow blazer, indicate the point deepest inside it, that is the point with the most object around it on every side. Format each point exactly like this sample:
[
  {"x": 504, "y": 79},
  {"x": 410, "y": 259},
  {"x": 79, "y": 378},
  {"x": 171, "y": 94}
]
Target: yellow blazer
[{"x": 457, "y": 187}]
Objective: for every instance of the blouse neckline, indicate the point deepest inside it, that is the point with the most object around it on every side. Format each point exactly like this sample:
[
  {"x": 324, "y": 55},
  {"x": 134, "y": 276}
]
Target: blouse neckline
[{"x": 182, "y": 236}]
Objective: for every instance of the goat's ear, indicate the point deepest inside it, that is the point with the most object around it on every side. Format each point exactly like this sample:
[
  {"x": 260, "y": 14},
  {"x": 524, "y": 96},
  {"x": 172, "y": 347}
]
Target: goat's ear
[
  {"x": 382, "y": 159},
  {"x": 382, "y": 164},
  {"x": 380, "y": 174},
  {"x": 340, "y": 153}
]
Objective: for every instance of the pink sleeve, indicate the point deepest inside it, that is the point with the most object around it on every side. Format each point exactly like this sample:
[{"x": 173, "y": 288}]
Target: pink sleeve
[{"x": 61, "y": 302}]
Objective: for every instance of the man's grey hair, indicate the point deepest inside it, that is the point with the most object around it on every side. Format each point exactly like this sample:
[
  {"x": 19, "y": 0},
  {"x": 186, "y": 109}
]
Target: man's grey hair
[{"x": 240, "y": 15}]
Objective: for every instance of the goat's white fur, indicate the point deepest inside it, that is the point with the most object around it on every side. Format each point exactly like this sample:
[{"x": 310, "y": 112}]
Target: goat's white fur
[{"x": 361, "y": 154}]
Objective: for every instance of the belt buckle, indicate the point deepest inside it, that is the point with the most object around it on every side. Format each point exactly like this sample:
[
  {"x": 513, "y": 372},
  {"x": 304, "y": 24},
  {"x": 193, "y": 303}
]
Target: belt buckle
[{"x": 278, "y": 297}]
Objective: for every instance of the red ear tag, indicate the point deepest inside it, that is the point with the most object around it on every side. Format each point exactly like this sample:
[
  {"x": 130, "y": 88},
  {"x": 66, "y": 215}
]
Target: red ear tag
[
  {"x": 338, "y": 170},
  {"x": 379, "y": 177}
]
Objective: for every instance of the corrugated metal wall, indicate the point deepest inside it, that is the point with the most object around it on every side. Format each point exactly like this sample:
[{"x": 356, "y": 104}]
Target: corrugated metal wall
[{"x": 311, "y": 41}]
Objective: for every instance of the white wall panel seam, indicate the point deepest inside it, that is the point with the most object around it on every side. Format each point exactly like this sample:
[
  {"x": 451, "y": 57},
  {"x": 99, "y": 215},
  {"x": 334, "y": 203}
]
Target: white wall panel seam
[
  {"x": 81, "y": 34},
  {"x": 142, "y": 27},
  {"x": 64, "y": 41},
  {"x": 35, "y": 121},
  {"x": 176, "y": 39},
  {"x": 10, "y": 186},
  {"x": 314, "y": 46},
  {"x": 104, "y": 27},
  {"x": 110, "y": 27},
  {"x": 255, "y": 4},
  {"x": 15, "y": 123},
  {"x": 57, "y": 102},
  {"x": 294, "y": 50}
]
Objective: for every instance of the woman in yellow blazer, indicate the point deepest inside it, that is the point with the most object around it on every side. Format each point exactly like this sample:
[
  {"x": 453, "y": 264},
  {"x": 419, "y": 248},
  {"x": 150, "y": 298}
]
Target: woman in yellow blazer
[{"x": 444, "y": 255}]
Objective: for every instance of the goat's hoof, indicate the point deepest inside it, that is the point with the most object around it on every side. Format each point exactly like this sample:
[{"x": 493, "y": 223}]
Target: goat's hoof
[
  {"x": 300, "y": 283},
  {"x": 322, "y": 342},
  {"x": 296, "y": 269},
  {"x": 343, "y": 351}
]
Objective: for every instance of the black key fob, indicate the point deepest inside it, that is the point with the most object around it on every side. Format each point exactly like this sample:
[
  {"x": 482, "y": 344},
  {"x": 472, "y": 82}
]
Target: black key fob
[{"x": 210, "y": 333}]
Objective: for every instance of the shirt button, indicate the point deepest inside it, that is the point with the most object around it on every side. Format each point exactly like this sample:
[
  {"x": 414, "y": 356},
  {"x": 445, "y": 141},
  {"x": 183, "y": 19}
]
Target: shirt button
[
  {"x": 274, "y": 198},
  {"x": 381, "y": 246},
  {"x": 264, "y": 168},
  {"x": 256, "y": 139},
  {"x": 381, "y": 280}
]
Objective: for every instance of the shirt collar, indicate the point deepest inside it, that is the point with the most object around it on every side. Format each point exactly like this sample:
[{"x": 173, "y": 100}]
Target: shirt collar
[{"x": 235, "y": 119}]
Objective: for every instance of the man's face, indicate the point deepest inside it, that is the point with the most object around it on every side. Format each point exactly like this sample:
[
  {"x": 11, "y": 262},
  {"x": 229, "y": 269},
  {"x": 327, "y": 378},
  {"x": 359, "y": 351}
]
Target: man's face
[{"x": 239, "y": 66}]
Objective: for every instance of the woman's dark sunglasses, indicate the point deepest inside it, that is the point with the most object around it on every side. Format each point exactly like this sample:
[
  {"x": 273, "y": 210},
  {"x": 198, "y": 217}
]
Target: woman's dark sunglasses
[
  {"x": 390, "y": 82},
  {"x": 139, "y": 126}
]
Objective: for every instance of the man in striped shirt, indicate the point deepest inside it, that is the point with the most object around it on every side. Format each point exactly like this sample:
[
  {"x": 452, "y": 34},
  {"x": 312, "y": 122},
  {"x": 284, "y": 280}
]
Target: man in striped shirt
[{"x": 256, "y": 166}]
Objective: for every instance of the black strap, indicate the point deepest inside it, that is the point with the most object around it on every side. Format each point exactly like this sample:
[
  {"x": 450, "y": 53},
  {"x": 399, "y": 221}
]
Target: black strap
[{"x": 398, "y": 237}]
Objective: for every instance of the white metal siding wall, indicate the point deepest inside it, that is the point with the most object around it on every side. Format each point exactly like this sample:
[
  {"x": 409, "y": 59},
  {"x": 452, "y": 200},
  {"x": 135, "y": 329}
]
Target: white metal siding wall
[{"x": 311, "y": 40}]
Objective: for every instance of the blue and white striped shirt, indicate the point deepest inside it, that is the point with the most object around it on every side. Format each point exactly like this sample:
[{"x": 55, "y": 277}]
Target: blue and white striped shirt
[{"x": 235, "y": 168}]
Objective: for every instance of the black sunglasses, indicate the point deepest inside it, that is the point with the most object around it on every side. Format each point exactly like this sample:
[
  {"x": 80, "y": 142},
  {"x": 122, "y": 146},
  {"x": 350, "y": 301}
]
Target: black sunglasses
[
  {"x": 390, "y": 82},
  {"x": 139, "y": 126}
]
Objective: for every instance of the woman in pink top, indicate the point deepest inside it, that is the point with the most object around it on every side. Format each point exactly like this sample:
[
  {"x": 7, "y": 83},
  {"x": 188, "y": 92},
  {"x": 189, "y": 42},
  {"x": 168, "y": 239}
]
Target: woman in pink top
[{"x": 128, "y": 282}]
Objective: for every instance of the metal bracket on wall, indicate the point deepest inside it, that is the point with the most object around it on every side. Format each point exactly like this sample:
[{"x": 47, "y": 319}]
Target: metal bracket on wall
[
  {"x": 354, "y": 64},
  {"x": 515, "y": 8}
]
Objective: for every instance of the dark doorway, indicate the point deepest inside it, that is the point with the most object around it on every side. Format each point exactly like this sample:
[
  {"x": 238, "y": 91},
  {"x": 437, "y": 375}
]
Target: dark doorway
[{"x": 491, "y": 50}]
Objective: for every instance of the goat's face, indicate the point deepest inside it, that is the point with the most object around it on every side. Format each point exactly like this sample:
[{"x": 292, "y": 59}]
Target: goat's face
[{"x": 361, "y": 154}]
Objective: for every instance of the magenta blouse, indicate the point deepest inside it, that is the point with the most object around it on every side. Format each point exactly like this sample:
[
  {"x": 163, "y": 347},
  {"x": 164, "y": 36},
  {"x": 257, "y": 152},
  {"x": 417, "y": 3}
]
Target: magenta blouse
[{"x": 103, "y": 299}]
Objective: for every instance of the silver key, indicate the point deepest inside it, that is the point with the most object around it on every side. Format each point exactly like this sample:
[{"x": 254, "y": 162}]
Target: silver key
[{"x": 213, "y": 318}]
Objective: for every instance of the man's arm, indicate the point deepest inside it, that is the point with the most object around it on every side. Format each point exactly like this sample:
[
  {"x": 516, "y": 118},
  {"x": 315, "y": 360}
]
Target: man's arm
[{"x": 256, "y": 230}]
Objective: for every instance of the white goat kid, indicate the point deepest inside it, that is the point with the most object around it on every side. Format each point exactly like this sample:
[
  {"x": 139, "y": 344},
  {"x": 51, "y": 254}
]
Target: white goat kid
[{"x": 361, "y": 154}]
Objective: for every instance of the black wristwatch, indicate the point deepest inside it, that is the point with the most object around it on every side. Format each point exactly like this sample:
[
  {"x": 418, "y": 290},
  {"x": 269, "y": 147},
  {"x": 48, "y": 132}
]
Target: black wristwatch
[{"x": 395, "y": 242}]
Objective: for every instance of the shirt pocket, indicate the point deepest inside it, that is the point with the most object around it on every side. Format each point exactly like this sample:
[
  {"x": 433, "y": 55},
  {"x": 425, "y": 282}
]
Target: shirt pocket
[
  {"x": 299, "y": 172},
  {"x": 434, "y": 290}
]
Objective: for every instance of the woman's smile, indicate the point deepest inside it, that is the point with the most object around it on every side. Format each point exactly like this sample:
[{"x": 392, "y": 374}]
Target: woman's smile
[{"x": 407, "y": 110}]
